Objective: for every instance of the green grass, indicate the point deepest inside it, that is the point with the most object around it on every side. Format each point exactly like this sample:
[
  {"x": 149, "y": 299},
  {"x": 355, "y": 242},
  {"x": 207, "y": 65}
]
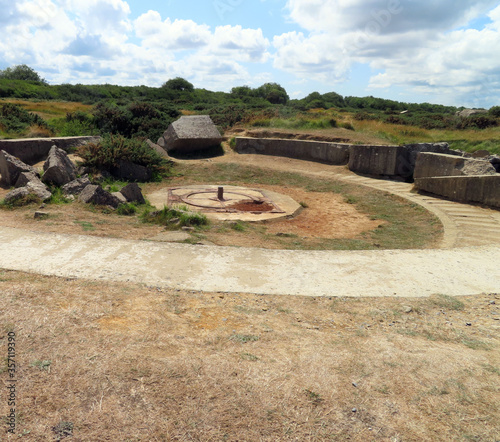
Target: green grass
[
  {"x": 175, "y": 217},
  {"x": 85, "y": 225},
  {"x": 446, "y": 302},
  {"x": 243, "y": 339}
]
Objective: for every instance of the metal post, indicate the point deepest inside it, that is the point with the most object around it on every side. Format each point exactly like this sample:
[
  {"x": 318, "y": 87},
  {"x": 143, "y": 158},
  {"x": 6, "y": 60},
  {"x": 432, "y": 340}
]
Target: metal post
[{"x": 220, "y": 193}]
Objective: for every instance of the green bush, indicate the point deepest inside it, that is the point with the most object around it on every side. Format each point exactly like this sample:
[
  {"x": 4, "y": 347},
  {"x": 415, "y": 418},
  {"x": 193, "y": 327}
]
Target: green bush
[
  {"x": 112, "y": 149},
  {"x": 16, "y": 119}
]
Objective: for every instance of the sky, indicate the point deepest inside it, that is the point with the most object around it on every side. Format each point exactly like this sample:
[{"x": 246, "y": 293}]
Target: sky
[{"x": 437, "y": 51}]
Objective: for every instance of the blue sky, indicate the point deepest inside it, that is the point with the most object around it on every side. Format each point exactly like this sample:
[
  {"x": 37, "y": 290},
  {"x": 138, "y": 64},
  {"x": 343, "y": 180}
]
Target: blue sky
[{"x": 445, "y": 51}]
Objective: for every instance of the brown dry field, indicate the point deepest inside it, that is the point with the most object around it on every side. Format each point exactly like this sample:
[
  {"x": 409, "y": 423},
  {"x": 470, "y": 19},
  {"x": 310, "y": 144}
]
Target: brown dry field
[{"x": 125, "y": 362}]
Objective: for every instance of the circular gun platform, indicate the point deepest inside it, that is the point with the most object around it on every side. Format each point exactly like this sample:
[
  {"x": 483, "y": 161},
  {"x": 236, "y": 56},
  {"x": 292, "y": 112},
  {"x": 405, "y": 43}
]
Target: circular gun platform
[{"x": 228, "y": 202}]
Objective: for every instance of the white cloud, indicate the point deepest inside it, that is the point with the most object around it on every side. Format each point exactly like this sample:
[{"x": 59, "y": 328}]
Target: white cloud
[
  {"x": 417, "y": 45},
  {"x": 176, "y": 35}
]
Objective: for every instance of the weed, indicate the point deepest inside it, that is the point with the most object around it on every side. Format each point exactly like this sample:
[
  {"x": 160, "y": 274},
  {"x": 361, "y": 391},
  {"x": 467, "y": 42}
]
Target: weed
[
  {"x": 58, "y": 196},
  {"x": 21, "y": 202},
  {"x": 314, "y": 397},
  {"x": 238, "y": 226},
  {"x": 86, "y": 225},
  {"x": 447, "y": 302},
  {"x": 249, "y": 357},
  {"x": 491, "y": 369},
  {"x": 42, "y": 365},
  {"x": 304, "y": 205},
  {"x": 63, "y": 430},
  {"x": 127, "y": 209},
  {"x": 476, "y": 344},
  {"x": 243, "y": 338},
  {"x": 175, "y": 217}
]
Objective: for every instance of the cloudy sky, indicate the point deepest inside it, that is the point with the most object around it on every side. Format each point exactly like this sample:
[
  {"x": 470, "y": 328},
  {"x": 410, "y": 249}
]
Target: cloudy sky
[{"x": 440, "y": 51}]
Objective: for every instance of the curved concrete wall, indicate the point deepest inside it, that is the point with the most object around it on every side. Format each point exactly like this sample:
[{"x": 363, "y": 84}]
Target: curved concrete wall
[
  {"x": 331, "y": 153},
  {"x": 483, "y": 189}
]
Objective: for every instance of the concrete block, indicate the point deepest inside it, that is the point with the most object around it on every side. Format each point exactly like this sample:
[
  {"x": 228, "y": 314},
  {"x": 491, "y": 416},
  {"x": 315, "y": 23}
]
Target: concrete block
[
  {"x": 189, "y": 134},
  {"x": 439, "y": 165},
  {"x": 324, "y": 152},
  {"x": 483, "y": 189}
]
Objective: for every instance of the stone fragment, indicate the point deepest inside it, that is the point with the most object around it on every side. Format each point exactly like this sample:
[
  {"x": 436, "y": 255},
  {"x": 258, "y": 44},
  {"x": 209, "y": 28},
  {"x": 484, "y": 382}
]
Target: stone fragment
[
  {"x": 120, "y": 197},
  {"x": 25, "y": 178},
  {"x": 41, "y": 215},
  {"x": 58, "y": 169},
  {"x": 189, "y": 134},
  {"x": 95, "y": 194},
  {"x": 11, "y": 167},
  {"x": 39, "y": 189},
  {"x": 133, "y": 194},
  {"x": 131, "y": 172},
  {"x": 76, "y": 187}
]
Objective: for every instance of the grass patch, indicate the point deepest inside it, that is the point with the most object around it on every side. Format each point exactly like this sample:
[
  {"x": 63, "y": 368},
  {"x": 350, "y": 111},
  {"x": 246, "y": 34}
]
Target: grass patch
[
  {"x": 447, "y": 302},
  {"x": 243, "y": 339},
  {"x": 175, "y": 217},
  {"x": 127, "y": 209},
  {"x": 85, "y": 225}
]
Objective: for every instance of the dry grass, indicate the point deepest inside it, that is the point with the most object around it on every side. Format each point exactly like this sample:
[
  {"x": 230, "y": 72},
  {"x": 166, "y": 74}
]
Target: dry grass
[
  {"x": 134, "y": 363},
  {"x": 49, "y": 109}
]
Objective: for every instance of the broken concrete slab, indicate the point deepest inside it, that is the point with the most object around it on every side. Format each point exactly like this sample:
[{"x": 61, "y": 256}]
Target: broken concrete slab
[
  {"x": 76, "y": 187},
  {"x": 95, "y": 194},
  {"x": 189, "y": 134},
  {"x": 25, "y": 178},
  {"x": 39, "y": 190},
  {"x": 133, "y": 194},
  {"x": 439, "y": 165},
  {"x": 58, "y": 168},
  {"x": 324, "y": 152},
  {"x": 11, "y": 167}
]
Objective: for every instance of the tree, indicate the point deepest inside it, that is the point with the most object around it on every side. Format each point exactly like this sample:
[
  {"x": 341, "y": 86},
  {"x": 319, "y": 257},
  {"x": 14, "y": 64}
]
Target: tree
[
  {"x": 21, "y": 72},
  {"x": 273, "y": 92},
  {"x": 495, "y": 111},
  {"x": 179, "y": 84}
]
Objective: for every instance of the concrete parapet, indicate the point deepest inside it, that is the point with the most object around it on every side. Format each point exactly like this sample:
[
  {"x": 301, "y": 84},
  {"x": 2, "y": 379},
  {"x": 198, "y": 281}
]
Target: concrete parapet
[
  {"x": 439, "y": 165},
  {"x": 33, "y": 150},
  {"x": 483, "y": 189},
  {"x": 379, "y": 160},
  {"x": 324, "y": 152}
]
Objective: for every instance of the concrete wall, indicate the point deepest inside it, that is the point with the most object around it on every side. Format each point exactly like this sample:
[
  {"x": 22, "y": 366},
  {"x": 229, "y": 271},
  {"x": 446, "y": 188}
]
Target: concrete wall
[
  {"x": 379, "y": 160},
  {"x": 478, "y": 189},
  {"x": 324, "y": 152},
  {"x": 33, "y": 150},
  {"x": 438, "y": 165}
]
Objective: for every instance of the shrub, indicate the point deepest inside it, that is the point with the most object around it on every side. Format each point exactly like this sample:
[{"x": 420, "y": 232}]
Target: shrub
[
  {"x": 112, "y": 149},
  {"x": 16, "y": 119},
  {"x": 495, "y": 111}
]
